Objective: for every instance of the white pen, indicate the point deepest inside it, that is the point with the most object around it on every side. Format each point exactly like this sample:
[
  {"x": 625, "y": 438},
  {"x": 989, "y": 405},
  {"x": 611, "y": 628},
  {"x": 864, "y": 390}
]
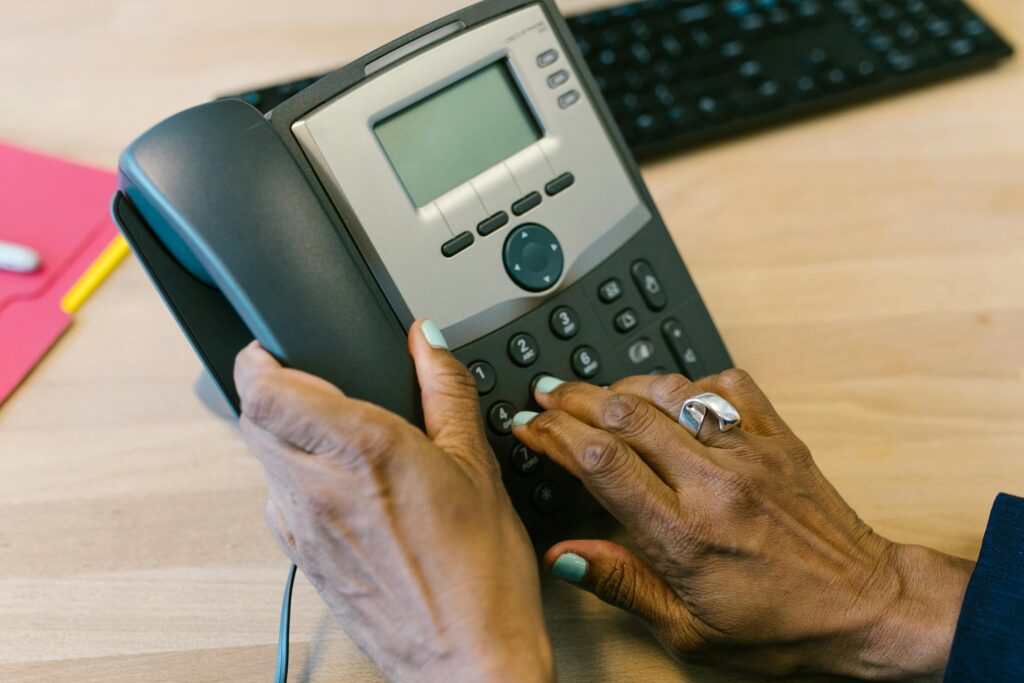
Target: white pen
[{"x": 18, "y": 259}]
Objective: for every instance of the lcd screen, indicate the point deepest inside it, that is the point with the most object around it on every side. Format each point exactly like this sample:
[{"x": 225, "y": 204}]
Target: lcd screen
[{"x": 444, "y": 140}]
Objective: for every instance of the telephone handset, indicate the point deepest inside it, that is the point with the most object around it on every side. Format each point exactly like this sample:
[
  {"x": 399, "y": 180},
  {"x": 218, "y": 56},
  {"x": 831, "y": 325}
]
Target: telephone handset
[{"x": 470, "y": 173}]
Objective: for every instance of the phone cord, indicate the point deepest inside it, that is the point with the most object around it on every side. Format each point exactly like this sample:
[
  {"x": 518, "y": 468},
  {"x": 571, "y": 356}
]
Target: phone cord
[{"x": 281, "y": 676}]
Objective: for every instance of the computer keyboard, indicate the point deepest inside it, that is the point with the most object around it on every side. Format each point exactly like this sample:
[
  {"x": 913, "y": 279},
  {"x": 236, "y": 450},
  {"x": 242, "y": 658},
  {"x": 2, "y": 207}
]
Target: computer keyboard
[{"x": 679, "y": 73}]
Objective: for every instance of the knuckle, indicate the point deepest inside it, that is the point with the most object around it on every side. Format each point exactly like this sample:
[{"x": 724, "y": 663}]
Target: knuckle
[
  {"x": 671, "y": 389},
  {"x": 626, "y": 414},
  {"x": 453, "y": 381},
  {"x": 372, "y": 443},
  {"x": 618, "y": 587},
  {"x": 735, "y": 379},
  {"x": 258, "y": 399},
  {"x": 547, "y": 423},
  {"x": 600, "y": 455}
]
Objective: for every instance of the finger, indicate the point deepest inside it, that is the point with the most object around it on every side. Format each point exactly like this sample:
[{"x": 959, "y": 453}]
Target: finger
[
  {"x": 669, "y": 392},
  {"x": 451, "y": 408},
  {"x": 298, "y": 408},
  {"x": 608, "y": 468},
  {"x": 740, "y": 389},
  {"x": 619, "y": 577},
  {"x": 669, "y": 449}
]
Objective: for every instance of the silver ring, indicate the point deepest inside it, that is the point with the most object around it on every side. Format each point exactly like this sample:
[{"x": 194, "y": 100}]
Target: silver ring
[{"x": 695, "y": 409}]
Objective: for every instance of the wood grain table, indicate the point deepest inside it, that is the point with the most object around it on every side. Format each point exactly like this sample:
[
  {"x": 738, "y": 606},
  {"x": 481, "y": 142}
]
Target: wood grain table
[{"x": 866, "y": 267}]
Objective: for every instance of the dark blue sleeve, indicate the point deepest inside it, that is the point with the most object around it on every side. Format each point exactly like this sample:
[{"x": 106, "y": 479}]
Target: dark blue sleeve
[{"x": 989, "y": 641}]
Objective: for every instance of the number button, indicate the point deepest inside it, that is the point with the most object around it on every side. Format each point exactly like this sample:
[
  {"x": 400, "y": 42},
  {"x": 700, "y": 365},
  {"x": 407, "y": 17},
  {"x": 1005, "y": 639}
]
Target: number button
[
  {"x": 626, "y": 320},
  {"x": 522, "y": 349},
  {"x": 564, "y": 322},
  {"x": 524, "y": 461},
  {"x": 545, "y": 497},
  {"x": 610, "y": 290},
  {"x": 483, "y": 373},
  {"x": 585, "y": 362},
  {"x": 649, "y": 285},
  {"x": 499, "y": 417}
]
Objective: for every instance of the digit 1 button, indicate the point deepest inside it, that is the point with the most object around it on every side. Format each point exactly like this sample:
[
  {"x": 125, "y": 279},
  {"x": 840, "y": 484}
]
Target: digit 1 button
[
  {"x": 524, "y": 461},
  {"x": 522, "y": 349},
  {"x": 626, "y": 320},
  {"x": 648, "y": 284},
  {"x": 483, "y": 373},
  {"x": 610, "y": 290},
  {"x": 585, "y": 362},
  {"x": 564, "y": 322},
  {"x": 499, "y": 417}
]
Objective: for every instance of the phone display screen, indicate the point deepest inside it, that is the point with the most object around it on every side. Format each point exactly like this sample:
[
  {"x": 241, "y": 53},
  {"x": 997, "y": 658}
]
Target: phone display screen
[{"x": 451, "y": 136}]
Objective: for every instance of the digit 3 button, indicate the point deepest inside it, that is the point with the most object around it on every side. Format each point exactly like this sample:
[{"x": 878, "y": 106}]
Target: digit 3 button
[{"x": 533, "y": 257}]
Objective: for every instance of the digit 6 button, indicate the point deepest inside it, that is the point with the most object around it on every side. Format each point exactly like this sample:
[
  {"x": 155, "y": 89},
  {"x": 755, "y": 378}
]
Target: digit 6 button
[{"x": 533, "y": 257}]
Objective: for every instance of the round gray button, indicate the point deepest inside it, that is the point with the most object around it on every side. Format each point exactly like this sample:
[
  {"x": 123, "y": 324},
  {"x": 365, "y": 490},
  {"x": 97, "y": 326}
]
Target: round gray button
[{"x": 533, "y": 257}]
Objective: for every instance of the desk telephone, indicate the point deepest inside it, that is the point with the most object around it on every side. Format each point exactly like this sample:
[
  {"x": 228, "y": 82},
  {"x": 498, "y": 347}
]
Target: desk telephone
[{"x": 469, "y": 172}]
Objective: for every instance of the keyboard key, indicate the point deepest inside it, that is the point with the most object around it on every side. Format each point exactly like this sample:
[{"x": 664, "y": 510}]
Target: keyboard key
[
  {"x": 750, "y": 69},
  {"x": 626, "y": 320},
  {"x": 961, "y": 47},
  {"x": 681, "y": 348},
  {"x": 485, "y": 376},
  {"x": 695, "y": 13},
  {"x": 457, "y": 244},
  {"x": 522, "y": 349},
  {"x": 499, "y": 417},
  {"x": 648, "y": 284},
  {"x": 560, "y": 183},
  {"x": 610, "y": 290},
  {"x": 565, "y": 322},
  {"x": 585, "y": 362},
  {"x": 523, "y": 460},
  {"x": 639, "y": 352},
  {"x": 546, "y": 498},
  {"x": 492, "y": 223}
]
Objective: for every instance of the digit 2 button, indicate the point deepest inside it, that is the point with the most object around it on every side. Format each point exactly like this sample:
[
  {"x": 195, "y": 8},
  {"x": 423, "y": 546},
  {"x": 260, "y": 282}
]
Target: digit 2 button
[{"x": 522, "y": 349}]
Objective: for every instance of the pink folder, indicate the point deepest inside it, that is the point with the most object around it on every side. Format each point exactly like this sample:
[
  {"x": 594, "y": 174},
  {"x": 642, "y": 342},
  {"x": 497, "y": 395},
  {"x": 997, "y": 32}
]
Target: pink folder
[{"x": 59, "y": 209}]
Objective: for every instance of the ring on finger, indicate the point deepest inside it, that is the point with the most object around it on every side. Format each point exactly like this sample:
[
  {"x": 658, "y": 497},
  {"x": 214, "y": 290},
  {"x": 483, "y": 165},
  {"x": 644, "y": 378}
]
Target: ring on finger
[{"x": 695, "y": 409}]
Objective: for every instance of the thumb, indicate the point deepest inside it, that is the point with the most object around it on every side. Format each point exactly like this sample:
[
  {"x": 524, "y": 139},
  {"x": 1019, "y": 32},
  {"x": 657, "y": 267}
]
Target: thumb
[
  {"x": 617, "y": 576},
  {"x": 451, "y": 408}
]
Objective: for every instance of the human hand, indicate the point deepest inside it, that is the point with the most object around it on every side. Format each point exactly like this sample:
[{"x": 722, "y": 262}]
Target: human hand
[
  {"x": 410, "y": 538},
  {"x": 748, "y": 557}
]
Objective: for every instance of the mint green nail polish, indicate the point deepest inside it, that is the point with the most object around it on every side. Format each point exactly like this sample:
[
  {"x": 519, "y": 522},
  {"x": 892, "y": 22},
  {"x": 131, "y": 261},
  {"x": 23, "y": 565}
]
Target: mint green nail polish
[
  {"x": 433, "y": 335},
  {"x": 569, "y": 567},
  {"x": 547, "y": 384},
  {"x": 522, "y": 417}
]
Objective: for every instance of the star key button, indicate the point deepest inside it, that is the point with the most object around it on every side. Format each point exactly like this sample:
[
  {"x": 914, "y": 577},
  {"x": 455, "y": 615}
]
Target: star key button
[{"x": 533, "y": 257}]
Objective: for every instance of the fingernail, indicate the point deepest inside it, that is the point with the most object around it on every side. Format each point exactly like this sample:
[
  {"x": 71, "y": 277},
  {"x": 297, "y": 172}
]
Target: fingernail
[
  {"x": 522, "y": 417},
  {"x": 547, "y": 384},
  {"x": 433, "y": 335},
  {"x": 569, "y": 567}
]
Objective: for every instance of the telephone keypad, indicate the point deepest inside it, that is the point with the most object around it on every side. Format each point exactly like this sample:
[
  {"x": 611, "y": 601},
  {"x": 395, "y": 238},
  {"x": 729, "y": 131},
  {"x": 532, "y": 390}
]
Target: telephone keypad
[
  {"x": 499, "y": 417},
  {"x": 523, "y": 350},
  {"x": 485, "y": 376},
  {"x": 565, "y": 322},
  {"x": 649, "y": 285},
  {"x": 585, "y": 362}
]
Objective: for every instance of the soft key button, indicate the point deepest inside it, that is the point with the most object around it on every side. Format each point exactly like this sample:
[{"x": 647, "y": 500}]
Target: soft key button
[
  {"x": 461, "y": 209},
  {"x": 558, "y": 78},
  {"x": 530, "y": 169}
]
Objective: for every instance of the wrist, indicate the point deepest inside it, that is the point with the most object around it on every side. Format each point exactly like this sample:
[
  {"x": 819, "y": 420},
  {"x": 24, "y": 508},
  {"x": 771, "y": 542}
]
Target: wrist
[{"x": 912, "y": 636}]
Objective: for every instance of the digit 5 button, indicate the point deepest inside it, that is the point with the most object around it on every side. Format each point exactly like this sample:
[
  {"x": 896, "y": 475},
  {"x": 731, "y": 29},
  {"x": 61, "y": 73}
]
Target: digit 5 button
[{"x": 533, "y": 257}]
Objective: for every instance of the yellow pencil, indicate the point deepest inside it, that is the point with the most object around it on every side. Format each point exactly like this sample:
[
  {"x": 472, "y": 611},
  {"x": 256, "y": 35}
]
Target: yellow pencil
[{"x": 95, "y": 274}]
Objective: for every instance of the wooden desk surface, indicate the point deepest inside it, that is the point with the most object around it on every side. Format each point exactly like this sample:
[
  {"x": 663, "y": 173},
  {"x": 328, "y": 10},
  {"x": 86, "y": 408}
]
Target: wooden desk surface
[{"x": 867, "y": 267}]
